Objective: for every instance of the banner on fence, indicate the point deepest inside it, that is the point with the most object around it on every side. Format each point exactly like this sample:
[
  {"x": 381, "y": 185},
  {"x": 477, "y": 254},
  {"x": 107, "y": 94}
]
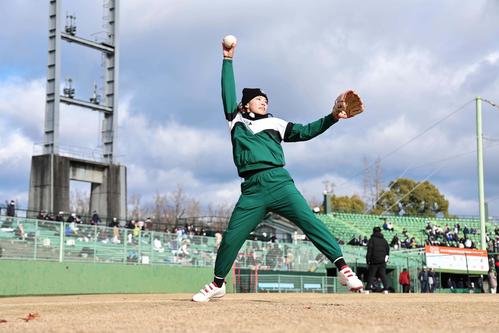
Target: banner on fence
[{"x": 453, "y": 259}]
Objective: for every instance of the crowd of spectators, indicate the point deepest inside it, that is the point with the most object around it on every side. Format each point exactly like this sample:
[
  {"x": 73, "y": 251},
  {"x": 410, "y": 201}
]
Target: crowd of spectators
[{"x": 455, "y": 236}]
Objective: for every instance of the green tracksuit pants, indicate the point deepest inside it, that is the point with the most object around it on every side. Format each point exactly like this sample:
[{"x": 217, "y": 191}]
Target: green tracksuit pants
[{"x": 271, "y": 190}]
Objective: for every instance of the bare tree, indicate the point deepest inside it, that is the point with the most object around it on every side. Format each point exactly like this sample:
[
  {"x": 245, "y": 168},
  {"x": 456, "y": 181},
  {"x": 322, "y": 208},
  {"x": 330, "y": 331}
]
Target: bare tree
[
  {"x": 79, "y": 202},
  {"x": 193, "y": 208},
  {"x": 134, "y": 202},
  {"x": 159, "y": 210},
  {"x": 378, "y": 181},
  {"x": 367, "y": 183},
  {"x": 314, "y": 202},
  {"x": 220, "y": 215},
  {"x": 176, "y": 205}
]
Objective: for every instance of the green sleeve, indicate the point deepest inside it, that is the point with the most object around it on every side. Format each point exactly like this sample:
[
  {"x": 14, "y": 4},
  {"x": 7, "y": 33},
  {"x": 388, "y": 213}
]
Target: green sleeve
[
  {"x": 229, "y": 90},
  {"x": 299, "y": 132}
]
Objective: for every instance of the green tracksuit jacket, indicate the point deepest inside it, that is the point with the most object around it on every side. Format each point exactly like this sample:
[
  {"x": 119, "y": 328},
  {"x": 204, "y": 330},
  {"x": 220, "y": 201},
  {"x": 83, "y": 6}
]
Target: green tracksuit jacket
[{"x": 258, "y": 156}]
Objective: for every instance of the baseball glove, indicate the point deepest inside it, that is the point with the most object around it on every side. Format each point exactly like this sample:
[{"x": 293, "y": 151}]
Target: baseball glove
[{"x": 349, "y": 103}]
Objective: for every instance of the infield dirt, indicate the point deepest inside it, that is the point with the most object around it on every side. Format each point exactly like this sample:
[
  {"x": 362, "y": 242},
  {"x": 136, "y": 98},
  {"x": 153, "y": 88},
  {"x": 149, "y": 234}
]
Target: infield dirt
[{"x": 254, "y": 313}]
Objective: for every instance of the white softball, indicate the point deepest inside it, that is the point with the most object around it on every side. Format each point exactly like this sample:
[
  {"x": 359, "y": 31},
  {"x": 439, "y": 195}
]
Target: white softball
[{"x": 229, "y": 41}]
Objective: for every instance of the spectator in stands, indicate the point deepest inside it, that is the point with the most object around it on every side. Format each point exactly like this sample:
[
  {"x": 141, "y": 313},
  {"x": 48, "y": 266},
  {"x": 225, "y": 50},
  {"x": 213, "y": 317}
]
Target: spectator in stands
[
  {"x": 423, "y": 280},
  {"x": 148, "y": 225},
  {"x": 95, "y": 218},
  {"x": 218, "y": 240},
  {"x": 116, "y": 235},
  {"x": 395, "y": 243},
  {"x": 71, "y": 218},
  {"x": 354, "y": 241},
  {"x": 130, "y": 224},
  {"x": 428, "y": 229},
  {"x": 68, "y": 231},
  {"x": 289, "y": 259},
  {"x": 157, "y": 245},
  {"x": 141, "y": 225},
  {"x": 251, "y": 260},
  {"x": 376, "y": 258},
  {"x": 136, "y": 231},
  {"x": 42, "y": 215},
  {"x": 184, "y": 251},
  {"x": 20, "y": 231},
  {"x": 60, "y": 217},
  {"x": 468, "y": 243},
  {"x": 450, "y": 283},
  {"x": 432, "y": 280},
  {"x": 11, "y": 208},
  {"x": 466, "y": 231},
  {"x": 492, "y": 276},
  {"x": 114, "y": 223},
  {"x": 275, "y": 254},
  {"x": 385, "y": 226},
  {"x": 405, "y": 280}
]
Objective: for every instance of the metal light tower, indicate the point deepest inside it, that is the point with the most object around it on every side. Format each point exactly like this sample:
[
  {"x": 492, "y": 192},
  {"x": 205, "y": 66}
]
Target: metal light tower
[
  {"x": 110, "y": 50},
  {"x": 52, "y": 171}
]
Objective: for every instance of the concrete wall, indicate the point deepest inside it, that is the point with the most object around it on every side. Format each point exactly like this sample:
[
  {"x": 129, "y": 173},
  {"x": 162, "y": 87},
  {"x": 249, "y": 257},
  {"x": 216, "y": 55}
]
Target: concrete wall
[
  {"x": 110, "y": 195},
  {"x": 108, "y": 185},
  {"x": 39, "y": 187},
  {"x": 21, "y": 278}
]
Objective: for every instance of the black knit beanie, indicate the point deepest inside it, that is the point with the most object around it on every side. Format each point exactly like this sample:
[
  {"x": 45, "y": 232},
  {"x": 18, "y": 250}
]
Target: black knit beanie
[{"x": 250, "y": 93}]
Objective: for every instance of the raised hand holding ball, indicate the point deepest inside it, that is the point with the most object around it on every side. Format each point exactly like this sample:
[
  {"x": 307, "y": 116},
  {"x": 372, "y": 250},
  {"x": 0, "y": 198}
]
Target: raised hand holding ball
[{"x": 229, "y": 41}]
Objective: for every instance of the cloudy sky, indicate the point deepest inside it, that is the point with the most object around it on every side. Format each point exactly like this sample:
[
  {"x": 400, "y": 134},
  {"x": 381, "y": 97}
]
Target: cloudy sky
[{"x": 413, "y": 62}]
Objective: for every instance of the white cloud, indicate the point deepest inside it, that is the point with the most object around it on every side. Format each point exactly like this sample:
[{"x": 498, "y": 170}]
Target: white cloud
[
  {"x": 22, "y": 102},
  {"x": 15, "y": 149},
  {"x": 461, "y": 206}
]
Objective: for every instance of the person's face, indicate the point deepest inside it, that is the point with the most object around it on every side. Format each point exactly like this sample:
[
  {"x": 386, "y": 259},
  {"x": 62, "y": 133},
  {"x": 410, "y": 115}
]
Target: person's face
[{"x": 258, "y": 105}]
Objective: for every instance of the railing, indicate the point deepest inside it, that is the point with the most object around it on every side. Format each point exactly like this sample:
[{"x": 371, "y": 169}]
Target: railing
[
  {"x": 210, "y": 224},
  {"x": 32, "y": 239},
  {"x": 90, "y": 154},
  {"x": 279, "y": 283}
]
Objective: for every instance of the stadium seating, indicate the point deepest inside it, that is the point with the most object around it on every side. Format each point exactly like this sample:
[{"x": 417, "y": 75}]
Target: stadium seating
[
  {"x": 345, "y": 225},
  {"x": 48, "y": 240}
]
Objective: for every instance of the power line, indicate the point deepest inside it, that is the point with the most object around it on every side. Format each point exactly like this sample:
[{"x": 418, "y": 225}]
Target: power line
[
  {"x": 490, "y": 139},
  {"x": 413, "y": 189},
  {"x": 445, "y": 159},
  {"x": 412, "y": 139},
  {"x": 491, "y": 103}
]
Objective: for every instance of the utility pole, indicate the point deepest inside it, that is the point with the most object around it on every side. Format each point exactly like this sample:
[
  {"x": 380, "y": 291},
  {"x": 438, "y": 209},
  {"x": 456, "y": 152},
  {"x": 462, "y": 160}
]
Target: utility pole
[{"x": 481, "y": 190}]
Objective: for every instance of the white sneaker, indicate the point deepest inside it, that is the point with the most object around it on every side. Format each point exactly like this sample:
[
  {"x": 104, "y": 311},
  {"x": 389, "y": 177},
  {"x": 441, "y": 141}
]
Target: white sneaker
[
  {"x": 208, "y": 292},
  {"x": 348, "y": 278}
]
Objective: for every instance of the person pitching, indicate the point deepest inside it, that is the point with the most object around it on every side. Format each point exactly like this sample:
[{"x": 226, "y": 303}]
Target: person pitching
[{"x": 256, "y": 138}]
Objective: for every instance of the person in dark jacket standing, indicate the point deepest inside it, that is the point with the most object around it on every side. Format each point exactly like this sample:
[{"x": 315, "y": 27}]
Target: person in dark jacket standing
[{"x": 378, "y": 251}]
